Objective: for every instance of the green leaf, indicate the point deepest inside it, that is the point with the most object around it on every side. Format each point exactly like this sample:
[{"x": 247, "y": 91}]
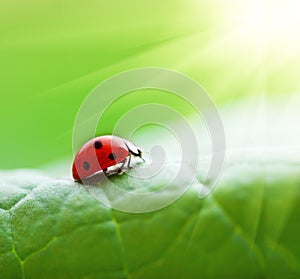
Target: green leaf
[{"x": 247, "y": 227}]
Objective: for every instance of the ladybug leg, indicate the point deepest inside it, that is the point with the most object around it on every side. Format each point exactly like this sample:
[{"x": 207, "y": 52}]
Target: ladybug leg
[
  {"x": 105, "y": 171},
  {"x": 128, "y": 164},
  {"x": 120, "y": 171}
]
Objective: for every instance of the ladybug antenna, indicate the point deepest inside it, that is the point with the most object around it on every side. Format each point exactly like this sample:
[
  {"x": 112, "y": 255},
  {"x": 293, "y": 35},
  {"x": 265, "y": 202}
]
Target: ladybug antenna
[{"x": 140, "y": 155}]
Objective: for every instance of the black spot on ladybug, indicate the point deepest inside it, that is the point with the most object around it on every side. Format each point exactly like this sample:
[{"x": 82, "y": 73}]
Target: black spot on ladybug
[
  {"x": 112, "y": 156},
  {"x": 86, "y": 165},
  {"x": 98, "y": 144}
]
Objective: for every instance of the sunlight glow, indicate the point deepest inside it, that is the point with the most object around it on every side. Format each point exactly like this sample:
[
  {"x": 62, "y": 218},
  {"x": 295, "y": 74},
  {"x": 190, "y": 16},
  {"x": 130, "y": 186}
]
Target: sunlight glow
[{"x": 274, "y": 19}]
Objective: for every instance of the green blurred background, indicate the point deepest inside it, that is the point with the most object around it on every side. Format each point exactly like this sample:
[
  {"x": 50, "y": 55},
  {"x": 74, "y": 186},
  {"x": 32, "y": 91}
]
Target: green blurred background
[{"x": 52, "y": 53}]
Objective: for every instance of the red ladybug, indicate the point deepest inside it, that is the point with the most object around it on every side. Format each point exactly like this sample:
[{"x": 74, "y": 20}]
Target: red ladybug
[{"x": 101, "y": 153}]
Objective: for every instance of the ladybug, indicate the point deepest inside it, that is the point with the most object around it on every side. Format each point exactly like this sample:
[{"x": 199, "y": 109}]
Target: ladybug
[{"x": 101, "y": 153}]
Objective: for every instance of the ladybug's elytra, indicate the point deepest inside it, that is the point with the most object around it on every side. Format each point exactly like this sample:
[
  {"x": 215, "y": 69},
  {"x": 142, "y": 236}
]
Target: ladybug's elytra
[{"x": 101, "y": 153}]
